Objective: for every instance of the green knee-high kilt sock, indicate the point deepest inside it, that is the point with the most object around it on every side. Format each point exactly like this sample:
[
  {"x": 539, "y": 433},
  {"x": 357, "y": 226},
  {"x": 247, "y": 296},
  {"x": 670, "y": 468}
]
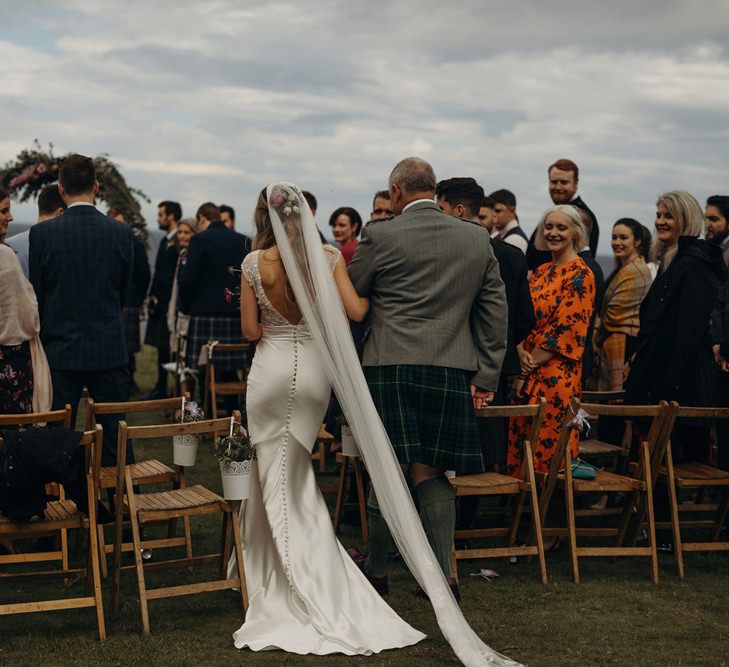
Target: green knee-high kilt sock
[
  {"x": 380, "y": 538},
  {"x": 437, "y": 504}
]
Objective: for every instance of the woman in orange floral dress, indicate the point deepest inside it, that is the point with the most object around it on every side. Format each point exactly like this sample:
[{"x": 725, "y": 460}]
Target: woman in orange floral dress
[{"x": 563, "y": 292}]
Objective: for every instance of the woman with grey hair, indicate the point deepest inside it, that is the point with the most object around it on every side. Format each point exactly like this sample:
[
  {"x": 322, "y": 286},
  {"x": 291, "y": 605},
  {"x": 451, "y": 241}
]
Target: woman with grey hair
[
  {"x": 673, "y": 353},
  {"x": 563, "y": 294}
]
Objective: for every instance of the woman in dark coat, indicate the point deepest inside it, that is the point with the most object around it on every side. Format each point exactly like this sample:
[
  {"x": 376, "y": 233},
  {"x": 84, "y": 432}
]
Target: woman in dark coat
[{"x": 673, "y": 352}]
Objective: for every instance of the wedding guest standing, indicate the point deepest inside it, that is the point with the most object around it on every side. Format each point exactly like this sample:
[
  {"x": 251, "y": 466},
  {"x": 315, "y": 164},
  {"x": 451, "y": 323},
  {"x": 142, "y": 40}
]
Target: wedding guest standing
[
  {"x": 487, "y": 214},
  {"x": 158, "y": 335},
  {"x": 563, "y": 293},
  {"x": 617, "y": 328},
  {"x": 716, "y": 220},
  {"x": 563, "y": 180},
  {"x": 506, "y": 226},
  {"x": 346, "y": 225},
  {"x": 227, "y": 216},
  {"x": 6, "y": 217},
  {"x": 177, "y": 321},
  {"x": 588, "y": 357},
  {"x": 463, "y": 198},
  {"x": 381, "y": 206},
  {"x": 135, "y": 298},
  {"x": 81, "y": 268},
  {"x": 673, "y": 356},
  {"x": 25, "y": 379},
  {"x": 202, "y": 284},
  {"x": 50, "y": 205},
  {"x": 716, "y": 216}
]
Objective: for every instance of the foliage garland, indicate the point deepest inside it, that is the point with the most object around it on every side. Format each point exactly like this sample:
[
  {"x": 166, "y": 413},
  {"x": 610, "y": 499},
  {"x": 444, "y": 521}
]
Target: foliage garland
[{"x": 34, "y": 168}]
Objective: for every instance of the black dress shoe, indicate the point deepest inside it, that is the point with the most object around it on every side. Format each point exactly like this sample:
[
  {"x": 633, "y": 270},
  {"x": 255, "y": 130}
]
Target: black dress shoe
[{"x": 380, "y": 584}]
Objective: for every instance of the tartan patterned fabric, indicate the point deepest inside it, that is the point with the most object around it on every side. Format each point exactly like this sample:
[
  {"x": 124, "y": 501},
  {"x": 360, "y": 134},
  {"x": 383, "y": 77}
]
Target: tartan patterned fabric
[
  {"x": 428, "y": 414},
  {"x": 223, "y": 328},
  {"x": 158, "y": 334},
  {"x": 131, "y": 328},
  {"x": 624, "y": 294},
  {"x": 612, "y": 361}
]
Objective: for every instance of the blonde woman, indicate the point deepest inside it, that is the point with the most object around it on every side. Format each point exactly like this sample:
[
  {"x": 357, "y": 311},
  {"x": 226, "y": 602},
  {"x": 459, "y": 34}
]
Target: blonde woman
[
  {"x": 563, "y": 294},
  {"x": 673, "y": 354}
]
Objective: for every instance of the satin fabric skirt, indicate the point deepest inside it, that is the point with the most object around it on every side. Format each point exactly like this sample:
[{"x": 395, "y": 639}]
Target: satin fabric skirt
[{"x": 306, "y": 593}]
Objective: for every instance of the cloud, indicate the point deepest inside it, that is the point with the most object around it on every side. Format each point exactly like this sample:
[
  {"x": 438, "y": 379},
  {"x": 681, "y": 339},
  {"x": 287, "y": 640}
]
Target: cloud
[{"x": 213, "y": 100}]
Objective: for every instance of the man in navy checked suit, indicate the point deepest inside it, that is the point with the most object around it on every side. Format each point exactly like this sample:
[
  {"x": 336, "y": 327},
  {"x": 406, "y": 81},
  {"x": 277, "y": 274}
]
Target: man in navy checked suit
[{"x": 81, "y": 266}]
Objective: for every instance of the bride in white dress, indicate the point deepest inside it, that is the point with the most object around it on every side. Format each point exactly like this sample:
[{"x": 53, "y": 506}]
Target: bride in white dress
[{"x": 306, "y": 594}]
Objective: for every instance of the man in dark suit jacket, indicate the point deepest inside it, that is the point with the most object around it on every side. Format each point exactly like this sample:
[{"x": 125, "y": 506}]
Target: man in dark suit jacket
[
  {"x": 135, "y": 298},
  {"x": 462, "y": 197},
  {"x": 202, "y": 285},
  {"x": 81, "y": 269},
  {"x": 588, "y": 356},
  {"x": 564, "y": 177},
  {"x": 169, "y": 214}
]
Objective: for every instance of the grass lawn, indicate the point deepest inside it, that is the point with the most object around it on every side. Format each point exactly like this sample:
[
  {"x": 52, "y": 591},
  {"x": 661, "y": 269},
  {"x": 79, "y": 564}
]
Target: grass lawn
[{"x": 616, "y": 616}]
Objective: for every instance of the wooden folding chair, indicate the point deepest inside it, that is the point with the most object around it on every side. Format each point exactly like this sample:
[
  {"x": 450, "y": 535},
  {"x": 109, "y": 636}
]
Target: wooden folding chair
[
  {"x": 493, "y": 483},
  {"x": 62, "y": 417},
  {"x": 344, "y": 462},
  {"x": 146, "y": 472},
  {"x": 697, "y": 478},
  {"x": 61, "y": 515},
  {"x": 598, "y": 450},
  {"x": 214, "y": 388},
  {"x": 145, "y": 508},
  {"x": 636, "y": 489}
]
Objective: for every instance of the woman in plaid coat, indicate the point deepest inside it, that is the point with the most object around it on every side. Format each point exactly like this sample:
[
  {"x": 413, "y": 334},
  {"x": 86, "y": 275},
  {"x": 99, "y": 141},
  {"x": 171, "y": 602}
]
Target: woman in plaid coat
[{"x": 617, "y": 328}]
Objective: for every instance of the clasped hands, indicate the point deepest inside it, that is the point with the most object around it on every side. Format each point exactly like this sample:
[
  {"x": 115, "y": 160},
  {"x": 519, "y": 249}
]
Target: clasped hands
[{"x": 481, "y": 398}]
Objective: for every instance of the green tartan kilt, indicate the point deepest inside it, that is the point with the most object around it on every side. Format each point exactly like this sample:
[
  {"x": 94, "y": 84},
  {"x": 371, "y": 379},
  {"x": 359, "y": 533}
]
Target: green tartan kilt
[{"x": 428, "y": 414}]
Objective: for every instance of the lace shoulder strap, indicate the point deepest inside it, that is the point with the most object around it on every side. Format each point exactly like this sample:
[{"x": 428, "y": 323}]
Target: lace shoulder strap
[
  {"x": 249, "y": 267},
  {"x": 332, "y": 255}
]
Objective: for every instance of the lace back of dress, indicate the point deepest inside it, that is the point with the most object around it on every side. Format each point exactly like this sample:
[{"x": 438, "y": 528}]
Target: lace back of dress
[{"x": 316, "y": 294}]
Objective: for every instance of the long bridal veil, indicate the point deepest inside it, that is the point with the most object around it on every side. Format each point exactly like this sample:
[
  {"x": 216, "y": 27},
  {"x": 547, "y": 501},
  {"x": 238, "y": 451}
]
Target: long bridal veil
[{"x": 318, "y": 299}]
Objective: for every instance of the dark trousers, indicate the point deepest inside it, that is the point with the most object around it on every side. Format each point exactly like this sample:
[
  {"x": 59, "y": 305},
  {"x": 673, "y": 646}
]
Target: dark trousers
[
  {"x": 110, "y": 385},
  {"x": 163, "y": 356},
  {"x": 722, "y": 425},
  {"x": 492, "y": 432}
]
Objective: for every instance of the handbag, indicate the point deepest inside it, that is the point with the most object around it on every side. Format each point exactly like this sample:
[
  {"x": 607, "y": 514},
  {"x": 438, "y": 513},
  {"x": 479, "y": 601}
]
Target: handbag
[{"x": 583, "y": 470}]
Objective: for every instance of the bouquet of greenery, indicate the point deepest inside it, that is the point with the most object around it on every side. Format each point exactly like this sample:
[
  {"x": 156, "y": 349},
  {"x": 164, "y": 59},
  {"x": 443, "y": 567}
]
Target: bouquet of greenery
[{"x": 235, "y": 448}]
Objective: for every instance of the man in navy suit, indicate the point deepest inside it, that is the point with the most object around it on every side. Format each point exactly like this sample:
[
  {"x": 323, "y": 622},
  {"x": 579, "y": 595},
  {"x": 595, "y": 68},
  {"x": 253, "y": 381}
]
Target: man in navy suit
[
  {"x": 81, "y": 269},
  {"x": 203, "y": 282}
]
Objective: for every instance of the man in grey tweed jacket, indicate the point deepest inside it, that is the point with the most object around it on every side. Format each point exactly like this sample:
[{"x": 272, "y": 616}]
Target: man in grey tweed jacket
[{"x": 434, "y": 343}]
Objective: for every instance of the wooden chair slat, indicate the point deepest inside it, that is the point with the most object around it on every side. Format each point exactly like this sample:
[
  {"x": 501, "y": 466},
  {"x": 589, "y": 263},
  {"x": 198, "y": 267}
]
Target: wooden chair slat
[
  {"x": 636, "y": 490},
  {"x": 60, "y": 515},
  {"x": 520, "y": 489}
]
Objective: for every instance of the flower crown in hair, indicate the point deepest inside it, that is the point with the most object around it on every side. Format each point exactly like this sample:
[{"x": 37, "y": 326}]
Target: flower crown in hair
[{"x": 284, "y": 200}]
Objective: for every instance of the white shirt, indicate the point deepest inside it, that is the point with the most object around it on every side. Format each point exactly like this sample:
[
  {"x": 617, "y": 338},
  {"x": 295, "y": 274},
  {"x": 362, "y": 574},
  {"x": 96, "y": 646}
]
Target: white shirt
[
  {"x": 81, "y": 203},
  {"x": 417, "y": 201},
  {"x": 517, "y": 240}
]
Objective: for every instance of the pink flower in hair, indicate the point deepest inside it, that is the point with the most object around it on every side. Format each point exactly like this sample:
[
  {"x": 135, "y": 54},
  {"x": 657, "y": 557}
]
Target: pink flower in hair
[{"x": 276, "y": 198}]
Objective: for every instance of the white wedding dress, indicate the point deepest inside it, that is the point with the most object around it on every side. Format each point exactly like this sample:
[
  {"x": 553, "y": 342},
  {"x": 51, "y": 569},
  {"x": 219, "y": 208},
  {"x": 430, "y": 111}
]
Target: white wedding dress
[{"x": 306, "y": 593}]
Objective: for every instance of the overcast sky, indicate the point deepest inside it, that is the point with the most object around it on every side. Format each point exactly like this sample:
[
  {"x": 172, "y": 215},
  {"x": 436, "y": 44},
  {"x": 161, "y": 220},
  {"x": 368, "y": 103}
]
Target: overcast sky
[{"x": 212, "y": 100}]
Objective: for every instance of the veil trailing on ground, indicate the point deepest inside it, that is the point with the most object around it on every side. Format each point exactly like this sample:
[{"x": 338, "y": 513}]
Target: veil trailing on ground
[{"x": 318, "y": 299}]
